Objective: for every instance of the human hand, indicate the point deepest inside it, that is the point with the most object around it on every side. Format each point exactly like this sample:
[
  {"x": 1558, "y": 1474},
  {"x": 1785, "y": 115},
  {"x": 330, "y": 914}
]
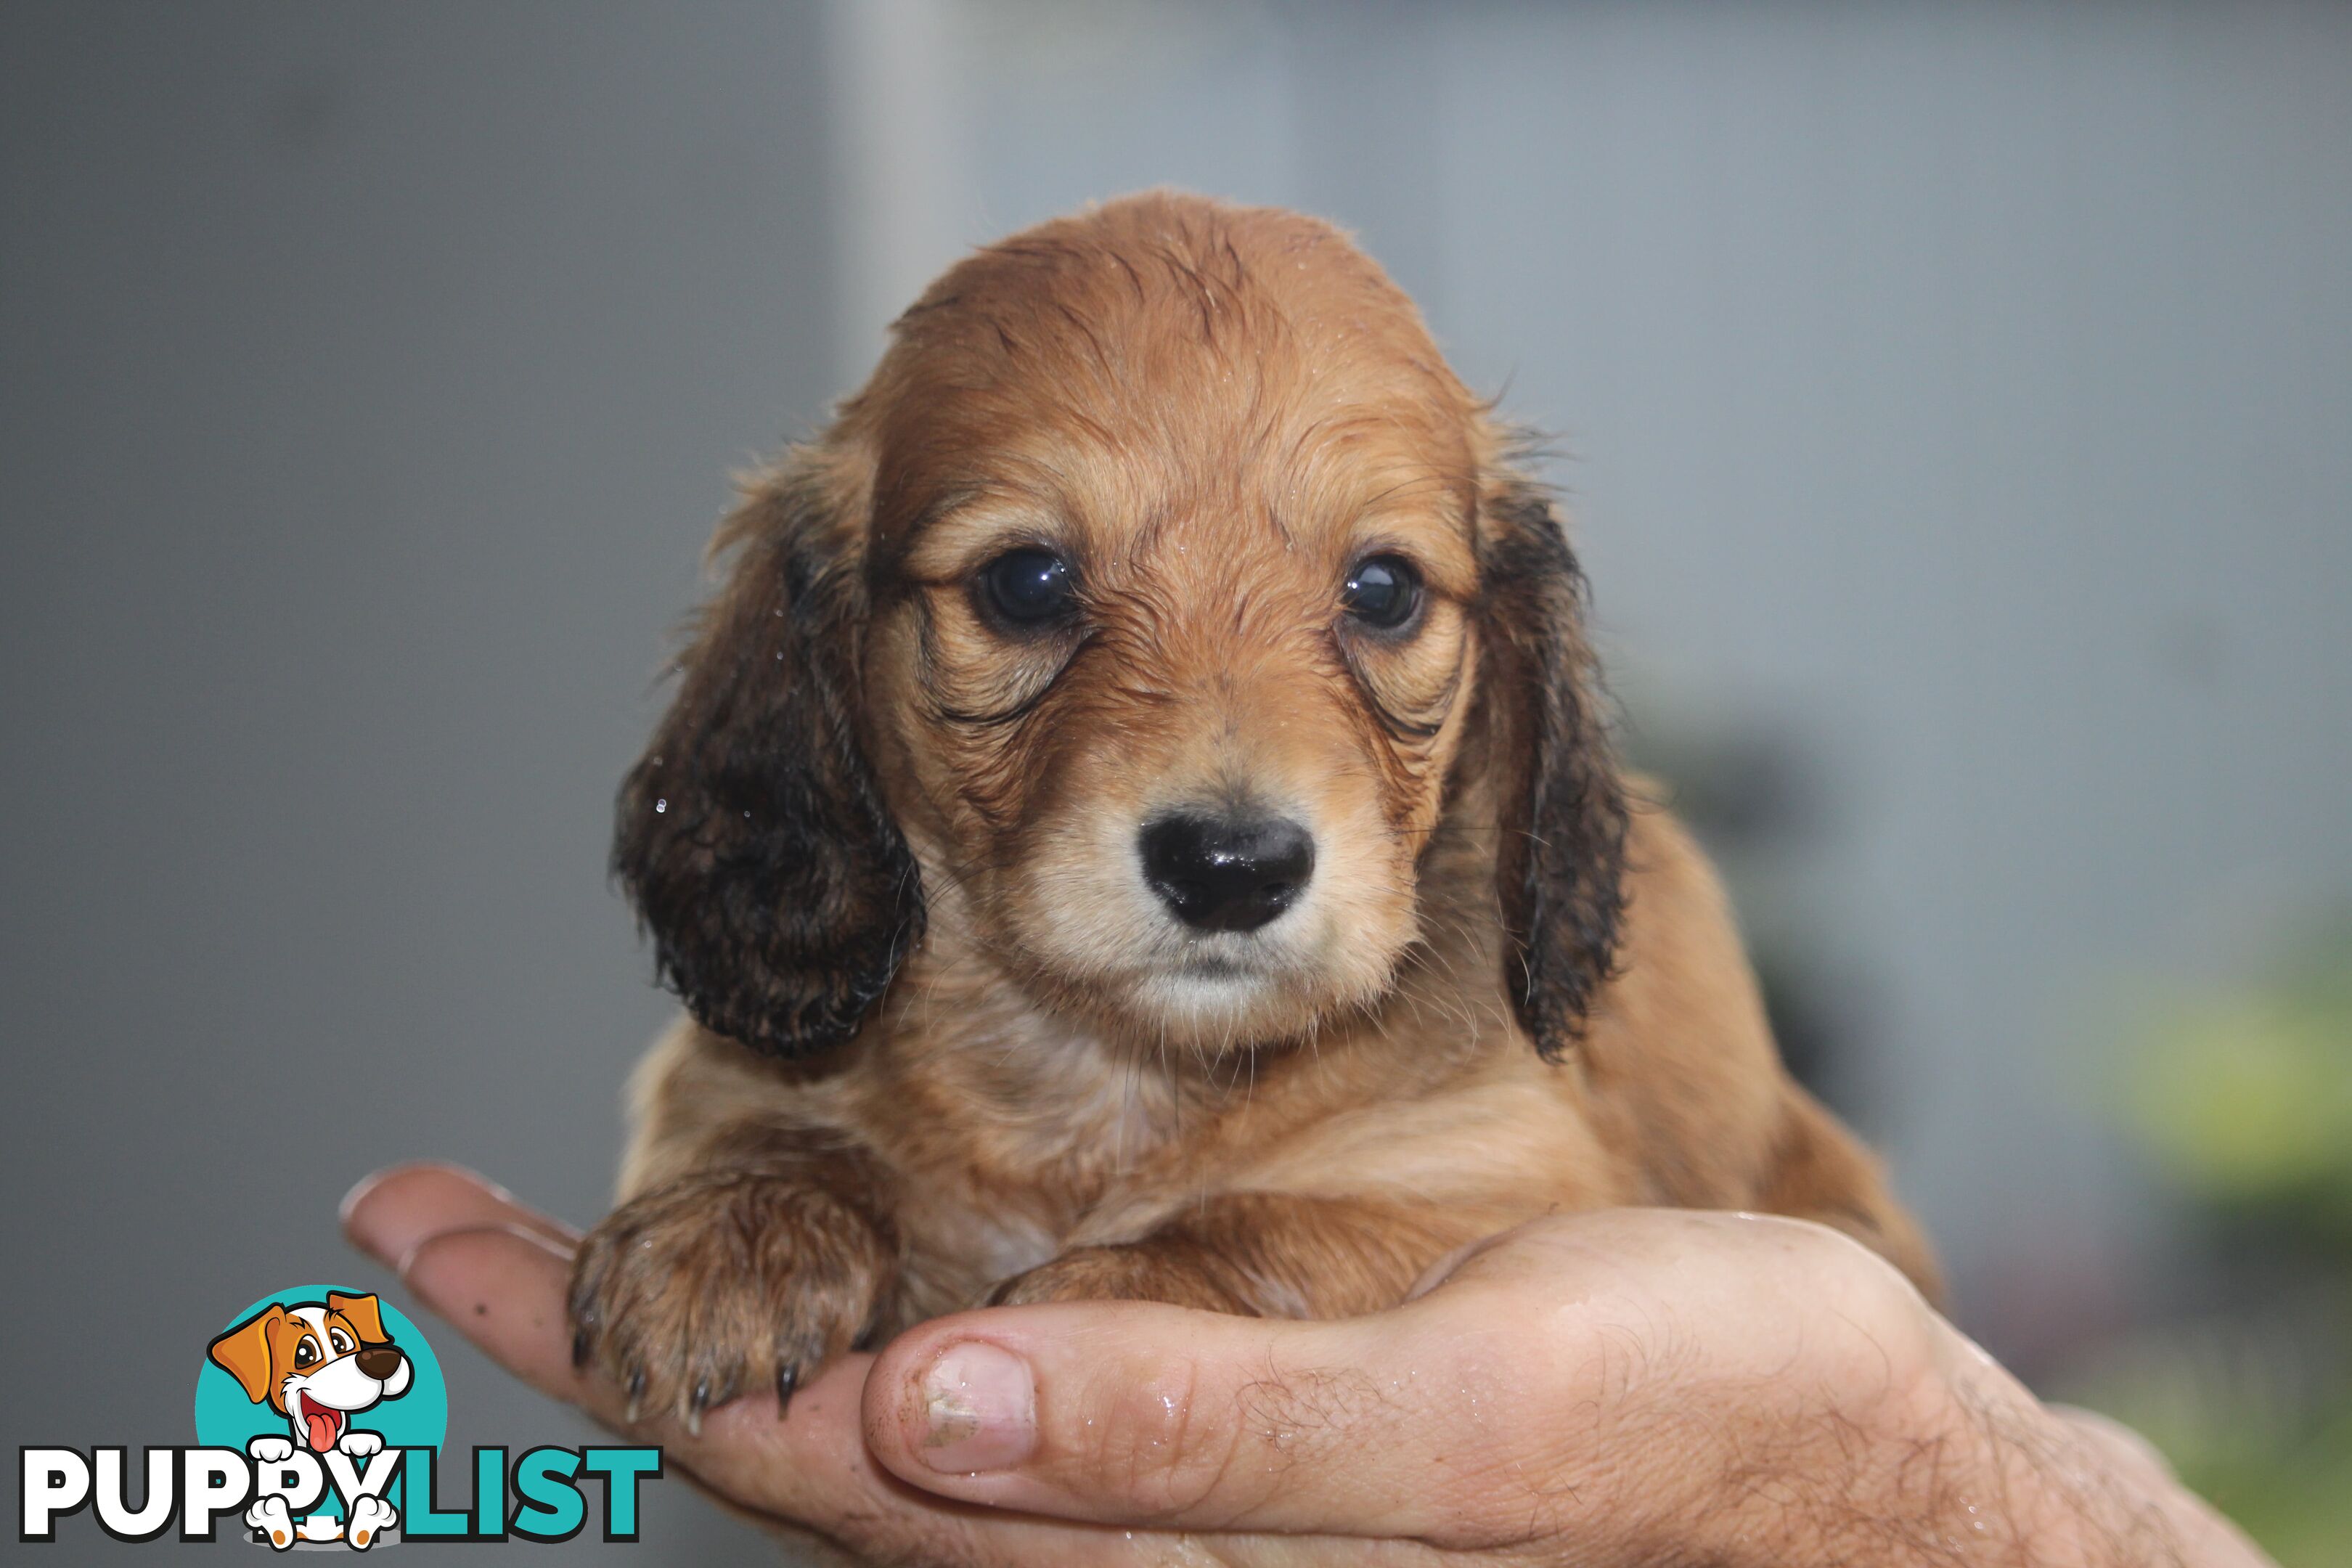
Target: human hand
[{"x": 1629, "y": 1386}]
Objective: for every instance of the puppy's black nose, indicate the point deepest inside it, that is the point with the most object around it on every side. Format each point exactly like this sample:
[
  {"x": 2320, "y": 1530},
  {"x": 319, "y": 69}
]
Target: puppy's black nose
[
  {"x": 1227, "y": 873},
  {"x": 379, "y": 1362}
]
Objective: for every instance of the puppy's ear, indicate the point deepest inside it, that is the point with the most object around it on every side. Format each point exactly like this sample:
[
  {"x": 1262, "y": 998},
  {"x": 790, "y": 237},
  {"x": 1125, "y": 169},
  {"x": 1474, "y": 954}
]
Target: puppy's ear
[
  {"x": 365, "y": 1313},
  {"x": 243, "y": 1353},
  {"x": 1559, "y": 858},
  {"x": 752, "y": 836}
]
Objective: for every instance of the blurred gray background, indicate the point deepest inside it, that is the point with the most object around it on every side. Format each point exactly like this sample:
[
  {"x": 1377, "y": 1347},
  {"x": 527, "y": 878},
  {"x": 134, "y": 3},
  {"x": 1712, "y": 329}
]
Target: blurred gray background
[{"x": 1954, "y": 406}]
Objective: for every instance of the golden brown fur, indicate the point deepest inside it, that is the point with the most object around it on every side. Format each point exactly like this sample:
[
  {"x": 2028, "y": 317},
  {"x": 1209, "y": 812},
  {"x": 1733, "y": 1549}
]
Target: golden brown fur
[{"x": 949, "y": 1048}]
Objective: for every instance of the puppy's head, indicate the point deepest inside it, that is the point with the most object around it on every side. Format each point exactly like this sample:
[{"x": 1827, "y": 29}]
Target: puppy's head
[
  {"x": 1150, "y": 608},
  {"x": 317, "y": 1362}
]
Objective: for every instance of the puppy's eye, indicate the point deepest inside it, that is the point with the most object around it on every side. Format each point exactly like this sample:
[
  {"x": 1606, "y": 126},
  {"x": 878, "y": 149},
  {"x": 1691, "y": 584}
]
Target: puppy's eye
[
  {"x": 1383, "y": 592},
  {"x": 341, "y": 1341},
  {"x": 1029, "y": 587},
  {"x": 305, "y": 1352}
]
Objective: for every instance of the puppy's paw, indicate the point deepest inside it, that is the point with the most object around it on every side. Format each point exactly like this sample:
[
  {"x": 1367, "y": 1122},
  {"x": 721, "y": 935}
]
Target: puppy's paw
[
  {"x": 360, "y": 1445},
  {"x": 371, "y": 1516},
  {"x": 270, "y": 1517},
  {"x": 725, "y": 1283},
  {"x": 1139, "y": 1271},
  {"x": 270, "y": 1450}
]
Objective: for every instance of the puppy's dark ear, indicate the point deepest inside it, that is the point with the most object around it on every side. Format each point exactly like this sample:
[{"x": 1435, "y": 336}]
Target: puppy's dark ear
[
  {"x": 1561, "y": 851},
  {"x": 752, "y": 836}
]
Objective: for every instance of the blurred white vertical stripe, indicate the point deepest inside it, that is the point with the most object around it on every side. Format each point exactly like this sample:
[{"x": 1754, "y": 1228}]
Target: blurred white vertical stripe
[{"x": 896, "y": 164}]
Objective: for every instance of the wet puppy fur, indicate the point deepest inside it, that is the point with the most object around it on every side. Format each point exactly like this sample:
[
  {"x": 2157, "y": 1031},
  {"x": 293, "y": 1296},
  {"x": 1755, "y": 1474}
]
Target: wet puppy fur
[{"x": 951, "y": 1040}]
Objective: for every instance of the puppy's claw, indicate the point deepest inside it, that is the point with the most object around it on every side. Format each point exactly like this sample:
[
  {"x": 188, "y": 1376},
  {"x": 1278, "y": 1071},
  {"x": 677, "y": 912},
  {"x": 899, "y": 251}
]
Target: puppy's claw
[{"x": 677, "y": 1317}]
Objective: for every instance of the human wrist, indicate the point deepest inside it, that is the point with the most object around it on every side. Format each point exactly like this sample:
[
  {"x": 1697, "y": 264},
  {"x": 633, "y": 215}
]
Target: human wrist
[
  {"x": 2028, "y": 1490},
  {"x": 1956, "y": 1463},
  {"x": 1979, "y": 1470}
]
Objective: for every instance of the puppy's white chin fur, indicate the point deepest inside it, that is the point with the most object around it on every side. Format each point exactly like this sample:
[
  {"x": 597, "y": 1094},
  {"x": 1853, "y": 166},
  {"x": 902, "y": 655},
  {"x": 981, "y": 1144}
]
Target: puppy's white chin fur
[
  {"x": 1206, "y": 999},
  {"x": 1222, "y": 1009}
]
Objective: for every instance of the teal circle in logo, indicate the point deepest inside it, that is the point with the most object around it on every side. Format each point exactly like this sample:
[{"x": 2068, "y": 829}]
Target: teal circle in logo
[{"x": 227, "y": 1416}]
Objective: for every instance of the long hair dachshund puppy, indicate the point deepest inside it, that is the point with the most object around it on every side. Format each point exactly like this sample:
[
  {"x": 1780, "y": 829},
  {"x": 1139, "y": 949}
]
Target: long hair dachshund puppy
[{"x": 1137, "y": 823}]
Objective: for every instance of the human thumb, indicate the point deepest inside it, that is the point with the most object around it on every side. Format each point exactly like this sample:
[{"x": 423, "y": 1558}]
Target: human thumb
[{"x": 1135, "y": 1413}]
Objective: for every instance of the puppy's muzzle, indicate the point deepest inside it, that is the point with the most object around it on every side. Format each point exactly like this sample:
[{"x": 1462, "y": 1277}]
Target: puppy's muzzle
[{"x": 1226, "y": 873}]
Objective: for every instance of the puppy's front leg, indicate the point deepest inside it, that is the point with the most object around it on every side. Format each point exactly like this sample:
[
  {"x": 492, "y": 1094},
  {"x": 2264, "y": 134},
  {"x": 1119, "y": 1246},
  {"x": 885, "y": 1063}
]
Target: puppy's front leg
[
  {"x": 763, "y": 1249},
  {"x": 1270, "y": 1255}
]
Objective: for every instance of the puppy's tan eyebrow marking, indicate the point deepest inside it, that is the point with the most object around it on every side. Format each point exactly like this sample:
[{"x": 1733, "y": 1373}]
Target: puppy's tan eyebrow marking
[
  {"x": 944, "y": 505},
  {"x": 1037, "y": 520}
]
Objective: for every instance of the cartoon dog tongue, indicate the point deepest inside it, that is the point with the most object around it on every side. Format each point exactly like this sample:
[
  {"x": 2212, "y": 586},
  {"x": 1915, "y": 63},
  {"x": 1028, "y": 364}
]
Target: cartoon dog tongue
[{"x": 322, "y": 1424}]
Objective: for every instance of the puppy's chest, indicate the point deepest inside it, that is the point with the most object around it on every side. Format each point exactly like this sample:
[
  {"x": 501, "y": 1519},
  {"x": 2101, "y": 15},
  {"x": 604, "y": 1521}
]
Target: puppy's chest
[
  {"x": 1007, "y": 1173},
  {"x": 960, "y": 1245},
  {"x": 1026, "y": 1109},
  {"x": 968, "y": 1228}
]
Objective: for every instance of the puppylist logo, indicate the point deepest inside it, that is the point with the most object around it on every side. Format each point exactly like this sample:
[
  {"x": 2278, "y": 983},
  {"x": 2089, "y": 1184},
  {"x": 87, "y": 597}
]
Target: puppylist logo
[{"x": 320, "y": 1418}]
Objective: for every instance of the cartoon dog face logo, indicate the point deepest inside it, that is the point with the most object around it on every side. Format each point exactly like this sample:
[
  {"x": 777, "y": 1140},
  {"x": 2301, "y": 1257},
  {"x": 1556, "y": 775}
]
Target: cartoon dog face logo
[{"x": 318, "y": 1364}]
